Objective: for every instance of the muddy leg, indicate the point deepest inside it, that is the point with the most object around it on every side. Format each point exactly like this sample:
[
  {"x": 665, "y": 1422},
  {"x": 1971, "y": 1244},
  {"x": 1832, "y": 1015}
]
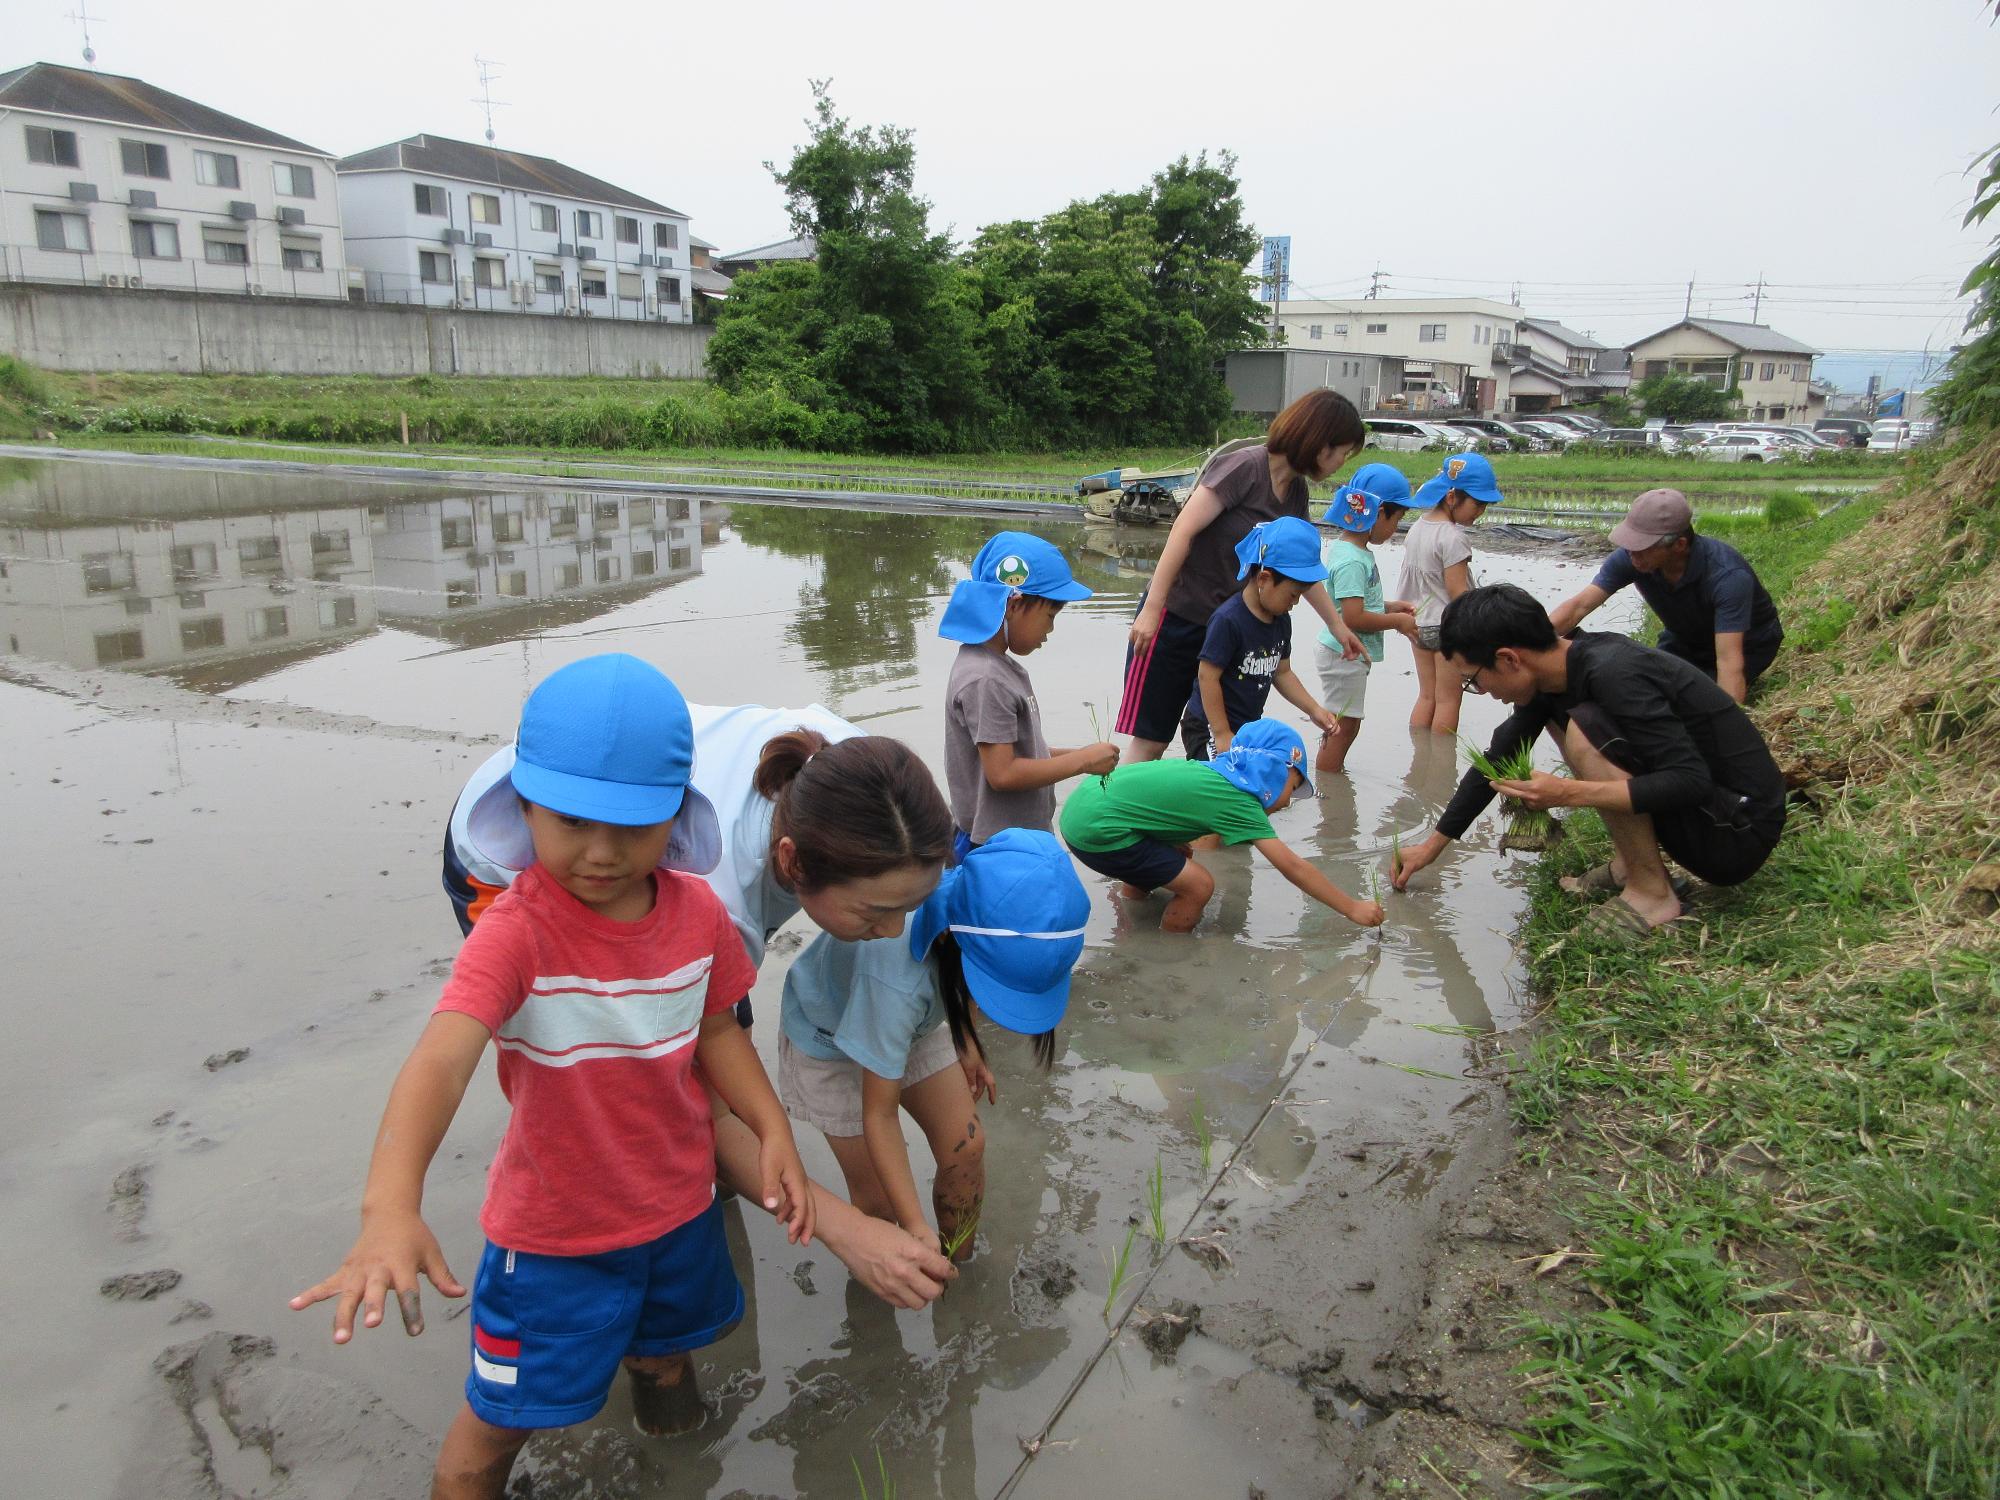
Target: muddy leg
[
  {"x": 943, "y": 1108},
  {"x": 1448, "y": 688},
  {"x": 1332, "y": 755},
  {"x": 1191, "y": 888},
  {"x": 476, "y": 1459},
  {"x": 666, "y": 1398},
  {"x": 864, "y": 1188}
]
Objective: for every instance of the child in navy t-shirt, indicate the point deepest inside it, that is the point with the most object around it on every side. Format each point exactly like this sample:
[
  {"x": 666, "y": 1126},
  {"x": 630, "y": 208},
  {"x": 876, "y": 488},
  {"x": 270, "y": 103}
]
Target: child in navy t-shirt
[{"x": 1248, "y": 649}]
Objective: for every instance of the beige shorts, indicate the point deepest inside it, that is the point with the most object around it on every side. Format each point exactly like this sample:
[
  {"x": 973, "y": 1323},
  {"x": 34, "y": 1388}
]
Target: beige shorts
[
  {"x": 1343, "y": 685},
  {"x": 827, "y": 1095}
]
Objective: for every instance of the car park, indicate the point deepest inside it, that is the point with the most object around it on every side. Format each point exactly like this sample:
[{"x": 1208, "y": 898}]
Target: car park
[
  {"x": 1506, "y": 433},
  {"x": 1742, "y": 448},
  {"x": 1845, "y": 432},
  {"x": 1890, "y": 435},
  {"x": 1407, "y": 435},
  {"x": 1550, "y": 432}
]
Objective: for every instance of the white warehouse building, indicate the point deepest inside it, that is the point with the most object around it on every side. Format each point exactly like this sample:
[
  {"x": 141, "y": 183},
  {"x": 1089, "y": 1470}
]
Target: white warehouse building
[
  {"x": 109, "y": 181},
  {"x": 447, "y": 223}
]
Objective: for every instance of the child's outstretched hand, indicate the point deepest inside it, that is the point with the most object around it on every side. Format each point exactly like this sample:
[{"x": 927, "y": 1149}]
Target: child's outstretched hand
[
  {"x": 394, "y": 1249},
  {"x": 1366, "y": 914},
  {"x": 979, "y": 1078},
  {"x": 787, "y": 1193},
  {"x": 1102, "y": 758}
]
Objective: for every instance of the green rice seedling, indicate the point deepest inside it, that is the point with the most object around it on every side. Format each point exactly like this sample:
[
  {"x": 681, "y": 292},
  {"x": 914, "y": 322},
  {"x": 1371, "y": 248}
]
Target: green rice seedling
[
  {"x": 1527, "y": 827},
  {"x": 959, "y": 1236},
  {"x": 1395, "y": 851},
  {"x": 1156, "y": 1200},
  {"x": 888, "y": 1491},
  {"x": 1202, "y": 1135},
  {"x": 1118, "y": 1269}
]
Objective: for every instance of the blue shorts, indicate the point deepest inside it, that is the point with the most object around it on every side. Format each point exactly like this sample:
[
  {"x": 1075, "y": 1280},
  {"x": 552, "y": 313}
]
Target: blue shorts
[
  {"x": 549, "y": 1331},
  {"x": 1147, "y": 864}
]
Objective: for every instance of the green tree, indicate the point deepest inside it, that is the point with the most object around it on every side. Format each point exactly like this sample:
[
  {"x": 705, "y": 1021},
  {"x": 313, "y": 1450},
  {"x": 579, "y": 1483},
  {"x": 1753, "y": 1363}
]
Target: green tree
[
  {"x": 1685, "y": 398},
  {"x": 1969, "y": 395}
]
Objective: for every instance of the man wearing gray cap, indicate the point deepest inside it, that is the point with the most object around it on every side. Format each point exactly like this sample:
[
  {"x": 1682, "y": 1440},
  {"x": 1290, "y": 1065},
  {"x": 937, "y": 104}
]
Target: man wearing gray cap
[{"x": 1714, "y": 614}]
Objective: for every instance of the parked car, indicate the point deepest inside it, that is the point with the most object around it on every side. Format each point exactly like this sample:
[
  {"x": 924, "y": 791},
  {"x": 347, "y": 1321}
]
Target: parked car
[
  {"x": 1569, "y": 421},
  {"x": 1742, "y": 448},
  {"x": 1846, "y": 432},
  {"x": 1890, "y": 435},
  {"x": 1407, "y": 435},
  {"x": 1680, "y": 438},
  {"x": 1630, "y": 437},
  {"x": 1504, "y": 432},
  {"x": 1552, "y": 432},
  {"x": 1798, "y": 436}
]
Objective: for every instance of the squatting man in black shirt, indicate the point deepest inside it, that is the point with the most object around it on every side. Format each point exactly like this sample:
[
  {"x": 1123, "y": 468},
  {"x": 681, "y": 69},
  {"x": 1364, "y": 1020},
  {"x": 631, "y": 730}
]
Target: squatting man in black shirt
[{"x": 1667, "y": 758}]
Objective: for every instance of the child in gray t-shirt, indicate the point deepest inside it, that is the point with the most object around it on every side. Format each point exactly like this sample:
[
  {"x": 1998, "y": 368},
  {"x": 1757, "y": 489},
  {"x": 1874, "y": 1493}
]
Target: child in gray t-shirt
[{"x": 998, "y": 766}]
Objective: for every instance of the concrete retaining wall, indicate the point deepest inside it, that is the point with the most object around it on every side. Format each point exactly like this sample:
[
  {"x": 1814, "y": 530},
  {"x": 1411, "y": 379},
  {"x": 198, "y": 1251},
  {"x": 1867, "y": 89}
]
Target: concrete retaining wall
[{"x": 92, "y": 328}]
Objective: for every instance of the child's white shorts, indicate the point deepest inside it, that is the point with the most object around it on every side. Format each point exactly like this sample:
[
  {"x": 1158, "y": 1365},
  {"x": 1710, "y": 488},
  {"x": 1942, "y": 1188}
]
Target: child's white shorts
[
  {"x": 827, "y": 1095},
  {"x": 1343, "y": 685}
]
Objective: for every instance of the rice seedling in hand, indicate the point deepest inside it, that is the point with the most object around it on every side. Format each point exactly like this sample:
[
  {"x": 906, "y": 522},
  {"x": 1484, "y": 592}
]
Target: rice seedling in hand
[
  {"x": 1118, "y": 1269},
  {"x": 959, "y": 1238},
  {"x": 1156, "y": 1200},
  {"x": 1527, "y": 827}
]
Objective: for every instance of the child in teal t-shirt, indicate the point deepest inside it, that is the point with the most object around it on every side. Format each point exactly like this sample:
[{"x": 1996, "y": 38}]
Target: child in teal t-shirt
[
  {"x": 1366, "y": 509},
  {"x": 1135, "y": 825}
]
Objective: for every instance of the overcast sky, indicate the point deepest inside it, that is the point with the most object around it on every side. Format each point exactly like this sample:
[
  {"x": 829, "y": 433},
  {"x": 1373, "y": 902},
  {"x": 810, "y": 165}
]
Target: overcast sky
[{"x": 1598, "y": 154}]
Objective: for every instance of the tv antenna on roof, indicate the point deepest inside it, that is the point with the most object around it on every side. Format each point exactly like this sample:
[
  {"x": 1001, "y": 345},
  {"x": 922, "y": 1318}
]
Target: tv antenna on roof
[
  {"x": 488, "y": 71},
  {"x": 82, "y": 16}
]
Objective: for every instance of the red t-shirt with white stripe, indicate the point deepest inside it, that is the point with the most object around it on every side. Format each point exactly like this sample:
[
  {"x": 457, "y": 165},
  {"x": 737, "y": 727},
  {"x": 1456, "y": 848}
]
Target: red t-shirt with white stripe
[{"x": 610, "y": 1142}]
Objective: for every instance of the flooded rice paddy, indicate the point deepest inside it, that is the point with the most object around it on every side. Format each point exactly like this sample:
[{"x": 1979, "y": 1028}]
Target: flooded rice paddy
[{"x": 236, "y": 712}]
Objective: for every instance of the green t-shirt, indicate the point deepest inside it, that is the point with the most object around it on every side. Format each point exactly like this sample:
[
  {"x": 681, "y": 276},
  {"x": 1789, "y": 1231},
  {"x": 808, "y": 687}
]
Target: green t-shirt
[
  {"x": 1173, "y": 801},
  {"x": 1352, "y": 574}
]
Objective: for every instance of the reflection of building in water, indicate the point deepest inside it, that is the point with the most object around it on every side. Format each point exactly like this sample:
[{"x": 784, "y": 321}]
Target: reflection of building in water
[
  {"x": 438, "y": 557},
  {"x": 134, "y": 574},
  {"x": 157, "y": 593}
]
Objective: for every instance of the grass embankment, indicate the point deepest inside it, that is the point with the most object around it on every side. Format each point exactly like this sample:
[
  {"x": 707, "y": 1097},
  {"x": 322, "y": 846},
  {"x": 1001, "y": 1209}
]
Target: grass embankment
[{"x": 1780, "y": 1116}]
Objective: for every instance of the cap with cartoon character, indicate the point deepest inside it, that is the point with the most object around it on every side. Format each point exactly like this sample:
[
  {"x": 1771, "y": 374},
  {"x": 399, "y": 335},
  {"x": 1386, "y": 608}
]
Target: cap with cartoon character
[
  {"x": 1356, "y": 503},
  {"x": 1013, "y": 562},
  {"x": 1470, "y": 472}
]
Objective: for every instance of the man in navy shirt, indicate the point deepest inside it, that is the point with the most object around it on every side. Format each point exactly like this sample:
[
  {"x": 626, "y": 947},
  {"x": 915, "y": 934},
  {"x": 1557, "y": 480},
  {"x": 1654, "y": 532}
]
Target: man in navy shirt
[{"x": 1714, "y": 614}]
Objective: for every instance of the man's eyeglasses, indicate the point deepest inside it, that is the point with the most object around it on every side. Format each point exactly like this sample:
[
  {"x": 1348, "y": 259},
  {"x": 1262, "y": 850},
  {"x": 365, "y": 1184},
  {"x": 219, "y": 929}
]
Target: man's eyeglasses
[{"x": 1471, "y": 683}]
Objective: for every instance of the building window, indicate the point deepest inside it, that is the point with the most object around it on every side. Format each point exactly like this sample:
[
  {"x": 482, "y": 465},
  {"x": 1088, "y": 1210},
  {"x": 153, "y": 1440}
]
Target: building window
[
  {"x": 152, "y": 240},
  {"x": 628, "y": 230},
  {"x": 260, "y": 554},
  {"x": 119, "y": 645},
  {"x": 1430, "y": 333},
  {"x": 1315, "y": 332},
  {"x": 680, "y": 559},
  {"x": 572, "y": 575},
  {"x": 52, "y": 148},
  {"x": 593, "y": 284},
  {"x": 336, "y": 613},
  {"x": 433, "y": 266},
  {"x": 483, "y": 207},
  {"x": 666, "y": 236},
  {"x": 143, "y": 158},
  {"x": 670, "y": 289},
  {"x": 641, "y": 513},
  {"x": 220, "y": 251},
  {"x": 1376, "y": 328},
  {"x": 107, "y": 572},
  {"x": 562, "y": 519},
  {"x": 331, "y": 547},
  {"x": 507, "y": 526},
  {"x": 293, "y": 181},
  {"x": 196, "y": 560},
  {"x": 301, "y": 257},
  {"x": 216, "y": 169},
  {"x": 269, "y": 624},
  {"x": 489, "y": 273},
  {"x": 204, "y": 634},
  {"x": 1340, "y": 330},
  {"x": 60, "y": 231},
  {"x": 1785, "y": 372},
  {"x": 455, "y": 531},
  {"x": 549, "y": 279},
  {"x": 629, "y": 285},
  {"x": 645, "y": 564},
  {"x": 589, "y": 225},
  {"x": 610, "y": 570},
  {"x": 1770, "y": 369},
  {"x": 431, "y": 201},
  {"x": 544, "y": 218},
  {"x": 514, "y": 585},
  {"x": 459, "y": 592},
  {"x": 605, "y": 512}
]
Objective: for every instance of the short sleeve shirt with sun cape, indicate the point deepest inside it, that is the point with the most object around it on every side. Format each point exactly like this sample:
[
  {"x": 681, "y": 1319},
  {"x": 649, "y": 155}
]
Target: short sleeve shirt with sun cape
[
  {"x": 609, "y": 1144},
  {"x": 990, "y": 701},
  {"x": 1174, "y": 801},
  {"x": 1242, "y": 485}
]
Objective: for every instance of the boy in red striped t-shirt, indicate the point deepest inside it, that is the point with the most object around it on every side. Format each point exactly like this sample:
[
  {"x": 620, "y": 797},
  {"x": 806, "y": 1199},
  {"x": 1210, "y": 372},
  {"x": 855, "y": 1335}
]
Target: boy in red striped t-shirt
[{"x": 601, "y": 975}]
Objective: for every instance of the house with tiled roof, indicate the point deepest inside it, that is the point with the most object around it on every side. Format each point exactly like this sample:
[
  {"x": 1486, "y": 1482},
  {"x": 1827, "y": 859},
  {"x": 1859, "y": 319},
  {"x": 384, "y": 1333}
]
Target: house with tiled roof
[
  {"x": 112, "y": 182},
  {"x": 1772, "y": 370},
  {"x": 447, "y": 223}
]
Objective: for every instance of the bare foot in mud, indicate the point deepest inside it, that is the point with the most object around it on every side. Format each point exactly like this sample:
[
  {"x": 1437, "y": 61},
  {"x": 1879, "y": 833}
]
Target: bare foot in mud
[{"x": 666, "y": 1398}]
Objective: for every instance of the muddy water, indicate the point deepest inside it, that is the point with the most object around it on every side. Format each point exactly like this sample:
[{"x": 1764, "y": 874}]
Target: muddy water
[{"x": 224, "y": 931}]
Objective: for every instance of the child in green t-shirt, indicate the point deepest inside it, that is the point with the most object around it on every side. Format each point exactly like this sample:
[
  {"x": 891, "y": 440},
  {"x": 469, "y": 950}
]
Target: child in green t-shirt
[
  {"x": 1366, "y": 509},
  {"x": 1135, "y": 824}
]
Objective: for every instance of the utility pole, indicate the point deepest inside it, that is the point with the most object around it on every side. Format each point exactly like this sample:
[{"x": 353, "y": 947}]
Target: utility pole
[
  {"x": 1375, "y": 282},
  {"x": 1758, "y": 305},
  {"x": 1688, "y": 310}
]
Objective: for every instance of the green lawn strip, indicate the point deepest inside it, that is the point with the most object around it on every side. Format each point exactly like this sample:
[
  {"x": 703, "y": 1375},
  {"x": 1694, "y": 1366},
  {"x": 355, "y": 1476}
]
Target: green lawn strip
[{"x": 1777, "y": 1127}]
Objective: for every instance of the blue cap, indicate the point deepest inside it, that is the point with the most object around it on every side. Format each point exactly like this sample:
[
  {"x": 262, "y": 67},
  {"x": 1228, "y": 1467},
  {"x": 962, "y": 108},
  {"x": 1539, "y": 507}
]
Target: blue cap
[
  {"x": 1011, "y": 563},
  {"x": 1356, "y": 503},
  {"x": 1287, "y": 546},
  {"x": 1471, "y": 472},
  {"x": 1018, "y": 912},
  {"x": 609, "y": 738},
  {"x": 1261, "y": 758}
]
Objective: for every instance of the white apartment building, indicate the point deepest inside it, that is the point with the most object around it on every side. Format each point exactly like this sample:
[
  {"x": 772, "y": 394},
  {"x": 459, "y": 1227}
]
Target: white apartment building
[
  {"x": 109, "y": 181},
  {"x": 1452, "y": 348},
  {"x": 1773, "y": 371},
  {"x": 447, "y": 223}
]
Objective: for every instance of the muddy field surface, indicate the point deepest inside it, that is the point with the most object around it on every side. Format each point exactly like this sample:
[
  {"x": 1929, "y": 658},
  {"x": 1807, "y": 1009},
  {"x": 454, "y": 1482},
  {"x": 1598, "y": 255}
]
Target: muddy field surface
[{"x": 236, "y": 713}]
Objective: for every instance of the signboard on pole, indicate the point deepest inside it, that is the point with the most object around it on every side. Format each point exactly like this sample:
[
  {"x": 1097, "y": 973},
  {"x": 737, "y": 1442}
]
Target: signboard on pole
[{"x": 1275, "y": 280}]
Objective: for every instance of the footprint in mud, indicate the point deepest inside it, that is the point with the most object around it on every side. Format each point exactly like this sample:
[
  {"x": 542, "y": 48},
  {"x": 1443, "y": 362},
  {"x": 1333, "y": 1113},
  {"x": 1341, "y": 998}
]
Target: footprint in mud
[
  {"x": 139, "y": 1286},
  {"x": 818, "y": 1406},
  {"x": 230, "y": 1423},
  {"x": 1164, "y": 1329},
  {"x": 127, "y": 1203},
  {"x": 1040, "y": 1282}
]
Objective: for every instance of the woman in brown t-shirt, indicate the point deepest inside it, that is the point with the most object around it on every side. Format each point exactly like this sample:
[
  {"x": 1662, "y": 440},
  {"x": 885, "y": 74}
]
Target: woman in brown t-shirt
[{"x": 1310, "y": 440}]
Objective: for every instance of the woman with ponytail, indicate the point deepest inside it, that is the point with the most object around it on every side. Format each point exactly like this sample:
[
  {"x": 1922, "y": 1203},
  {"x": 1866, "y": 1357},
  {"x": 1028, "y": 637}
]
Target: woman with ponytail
[{"x": 809, "y": 814}]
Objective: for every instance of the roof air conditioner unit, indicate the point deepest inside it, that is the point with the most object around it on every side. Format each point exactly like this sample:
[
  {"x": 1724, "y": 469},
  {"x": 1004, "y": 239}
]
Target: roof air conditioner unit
[
  {"x": 476, "y": 559},
  {"x": 454, "y": 236},
  {"x": 569, "y": 296},
  {"x": 465, "y": 289},
  {"x": 586, "y": 252},
  {"x": 582, "y": 545},
  {"x": 287, "y": 215},
  {"x": 241, "y": 209},
  {"x": 143, "y": 198},
  {"x": 83, "y": 192},
  {"x": 481, "y": 241},
  {"x": 517, "y": 292}
]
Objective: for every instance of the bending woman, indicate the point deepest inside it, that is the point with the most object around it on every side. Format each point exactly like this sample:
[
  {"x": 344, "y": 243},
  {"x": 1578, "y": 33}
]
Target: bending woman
[
  {"x": 1310, "y": 440},
  {"x": 793, "y": 809}
]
